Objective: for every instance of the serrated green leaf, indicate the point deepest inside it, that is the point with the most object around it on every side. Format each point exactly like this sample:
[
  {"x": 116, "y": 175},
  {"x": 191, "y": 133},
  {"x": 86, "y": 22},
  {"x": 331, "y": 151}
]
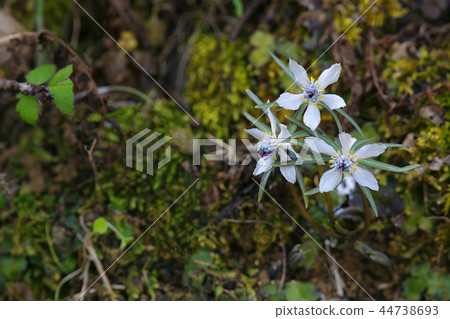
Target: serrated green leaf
[
  {"x": 263, "y": 183},
  {"x": 41, "y": 74},
  {"x": 301, "y": 183},
  {"x": 351, "y": 120},
  {"x": 387, "y": 167},
  {"x": 258, "y": 124},
  {"x": 313, "y": 191},
  {"x": 61, "y": 75},
  {"x": 28, "y": 108},
  {"x": 369, "y": 197},
  {"x": 63, "y": 93}
]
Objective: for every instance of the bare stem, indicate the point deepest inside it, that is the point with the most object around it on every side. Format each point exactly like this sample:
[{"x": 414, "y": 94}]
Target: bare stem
[
  {"x": 41, "y": 92},
  {"x": 328, "y": 199},
  {"x": 305, "y": 213}
]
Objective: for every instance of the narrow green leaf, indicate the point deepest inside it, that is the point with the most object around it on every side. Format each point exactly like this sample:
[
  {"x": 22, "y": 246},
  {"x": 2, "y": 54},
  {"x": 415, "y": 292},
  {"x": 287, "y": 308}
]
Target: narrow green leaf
[
  {"x": 324, "y": 136},
  {"x": 369, "y": 197},
  {"x": 253, "y": 97},
  {"x": 28, "y": 108},
  {"x": 123, "y": 110},
  {"x": 266, "y": 105},
  {"x": 285, "y": 68},
  {"x": 301, "y": 161},
  {"x": 313, "y": 191},
  {"x": 297, "y": 142},
  {"x": 349, "y": 118},
  {"x": 41, "y": 74},
  {"x": 263, "y": 183},
  {"x": 61, "y": 75},
  {"x": 301, "y": 183},
  {"x": 300, "y": 134},
  {"x": 238, "y": 7},
  {"x": 299, "y": 124},
  {"x": 298, "y": 115},
  {"x": 393, "y": 145},
  {"x": 387, "y": 167},
  {"x": 336, "y": 118},
  {"x": 258, "y": 124},
  {"x": 357, "y": 145}
]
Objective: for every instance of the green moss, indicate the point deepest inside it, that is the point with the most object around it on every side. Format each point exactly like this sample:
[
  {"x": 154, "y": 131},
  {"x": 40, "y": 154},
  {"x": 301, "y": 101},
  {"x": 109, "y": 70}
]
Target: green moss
[{"x": 216, "y": 79}]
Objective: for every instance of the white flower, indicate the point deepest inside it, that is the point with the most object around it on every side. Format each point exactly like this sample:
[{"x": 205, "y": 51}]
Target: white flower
[
  {"x": 312, "y": 93},
  {"x": 346, "y": 187},
  {"x": 270, "y": 146},
  {"x": 343, "y": 162}
]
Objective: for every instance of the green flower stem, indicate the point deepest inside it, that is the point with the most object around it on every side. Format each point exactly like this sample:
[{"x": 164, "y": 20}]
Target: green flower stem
[
  {"x": 366, "y": 216},
  {"x": 328, "y": 199},
  {"x": 305, "y": 213}
]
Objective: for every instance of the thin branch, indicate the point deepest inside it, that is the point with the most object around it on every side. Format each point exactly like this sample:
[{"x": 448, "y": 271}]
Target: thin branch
[
  {"x": 41, "y": 92},
  {"x": 94, "y": 257}
]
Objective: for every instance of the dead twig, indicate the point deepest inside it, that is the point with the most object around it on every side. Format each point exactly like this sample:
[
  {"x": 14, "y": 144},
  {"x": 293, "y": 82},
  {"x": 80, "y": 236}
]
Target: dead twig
[
  {"x": 41, "y": 92},
  {"x": 85, "y": 276},
  {"x": 92, "y": 162},
  {"x": 93, "y": 256},
  {"x": 339, "y": 283}
]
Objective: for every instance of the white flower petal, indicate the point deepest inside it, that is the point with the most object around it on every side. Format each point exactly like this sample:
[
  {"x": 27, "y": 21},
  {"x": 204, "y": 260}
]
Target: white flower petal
[
  {"x": 333, "y": 101},
  {"x": 290, "y": 101},
  {"x": 329, "y": 76},
  {"x": 289, "y": 173},
  {"x": 346, "y": 187},
  {"x": 320, "y": 146},
  {"x": 273, "y": 123},
  {"x": 329, "y": 180},
  {"x": 256, "y": 133},
  {"x": 371, "y": 150},
  {"x": 365, "y": 178},
  {"x": 312, "y": 116},
  {"x": 263, "y": 165},
  {"x": 299, "y": 72},
  {"x": 290, "y": 148},
  {"x": 346, "y": 141},
  {"x": 284, "y": 132}
]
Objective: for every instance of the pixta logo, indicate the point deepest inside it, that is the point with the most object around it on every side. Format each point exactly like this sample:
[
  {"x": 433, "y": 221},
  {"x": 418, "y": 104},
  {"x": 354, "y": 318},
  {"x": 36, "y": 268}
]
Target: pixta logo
[{"x": 143, "y": 141}]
